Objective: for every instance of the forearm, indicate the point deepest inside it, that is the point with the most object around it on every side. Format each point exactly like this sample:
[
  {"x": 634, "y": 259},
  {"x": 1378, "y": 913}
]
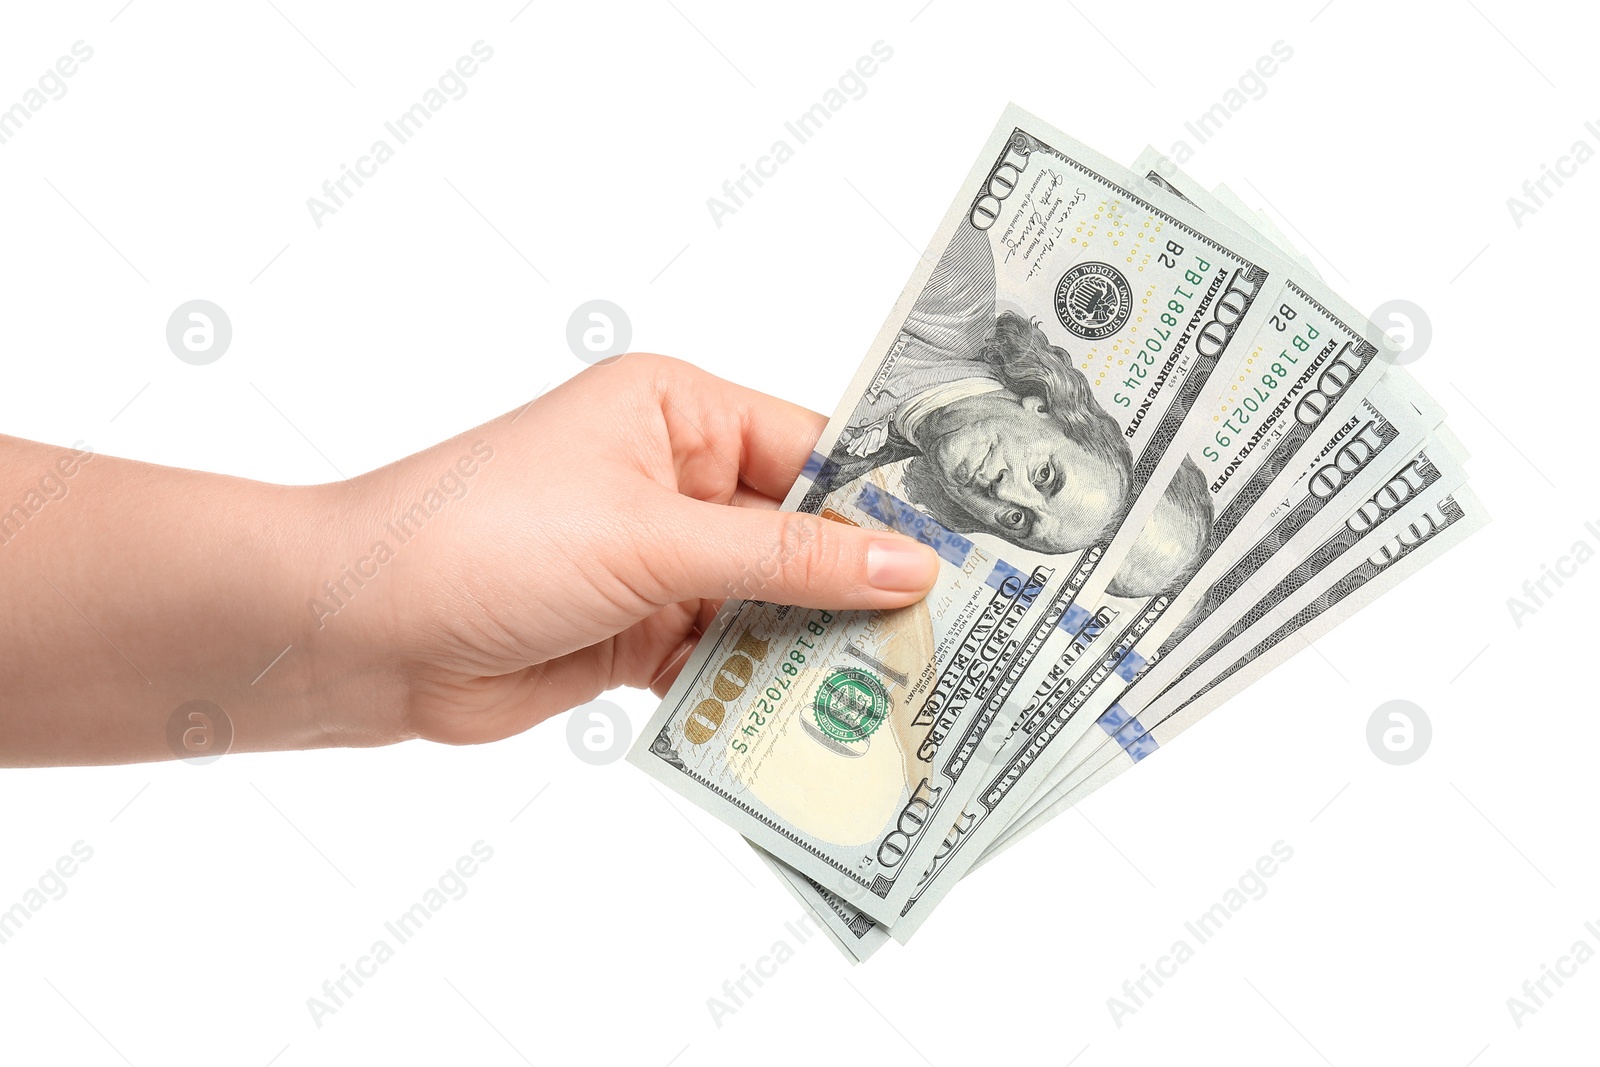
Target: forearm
[
  {"x": 133, "y": 589},
  {"x": 463, "y": 594}
]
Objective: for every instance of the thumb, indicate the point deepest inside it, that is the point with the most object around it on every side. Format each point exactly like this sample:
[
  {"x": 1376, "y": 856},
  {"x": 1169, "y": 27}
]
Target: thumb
[{"x": 789, "y": 557}]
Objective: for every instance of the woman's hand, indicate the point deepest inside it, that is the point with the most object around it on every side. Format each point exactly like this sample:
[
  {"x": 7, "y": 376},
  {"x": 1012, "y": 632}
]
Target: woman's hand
[
  {"x": 462, "y": 594},
  {"x": 598, "y": 532}
]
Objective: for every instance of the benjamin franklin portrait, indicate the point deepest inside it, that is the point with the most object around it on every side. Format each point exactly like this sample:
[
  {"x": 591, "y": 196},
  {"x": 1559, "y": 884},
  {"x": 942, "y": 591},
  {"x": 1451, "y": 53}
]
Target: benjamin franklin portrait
[{"x": 1004, "y": 436}]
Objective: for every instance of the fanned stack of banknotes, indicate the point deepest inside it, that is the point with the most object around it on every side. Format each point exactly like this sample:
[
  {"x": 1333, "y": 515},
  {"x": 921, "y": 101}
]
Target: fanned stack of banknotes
[{"x": 1157, "y": 456}]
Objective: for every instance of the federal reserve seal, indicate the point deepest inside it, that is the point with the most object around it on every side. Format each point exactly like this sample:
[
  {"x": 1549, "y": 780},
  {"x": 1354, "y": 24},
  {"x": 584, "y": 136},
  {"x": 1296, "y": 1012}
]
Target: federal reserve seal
[
  {"x": 1093, "y": 300},
  {"x": 851, "y": 704}
]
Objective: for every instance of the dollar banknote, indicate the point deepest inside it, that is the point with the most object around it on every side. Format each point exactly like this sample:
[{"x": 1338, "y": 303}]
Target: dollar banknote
[
  {"x": 1400, "y": 500},
  {"x": 857, "y": 934},
  {"x": 1277, "y": 636},
  {"x": 1021, "y": 413},
  {"x": 1358, "y": 457},
  {"x": 1153, "y": 563},
  {"x": 1360, "y": 454},
  {"x": 1360, "y": 450},
  {"x": 1122, "y": 719},
  {"x": 1402, "y": 511},
  {"x": 852, "y": 932},
  {"x": 1372, "y": 455},
  {"x": 1311, "y": 365},
  {"x": 1264, "y": 469},
  {"x": 1292, "y": 524},
  {"x": 1257, "y": 219}
]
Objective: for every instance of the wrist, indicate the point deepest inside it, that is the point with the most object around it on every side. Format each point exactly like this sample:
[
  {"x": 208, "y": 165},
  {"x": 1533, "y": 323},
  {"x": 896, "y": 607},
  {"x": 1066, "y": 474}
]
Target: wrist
[{"x": 348, "y": 680}]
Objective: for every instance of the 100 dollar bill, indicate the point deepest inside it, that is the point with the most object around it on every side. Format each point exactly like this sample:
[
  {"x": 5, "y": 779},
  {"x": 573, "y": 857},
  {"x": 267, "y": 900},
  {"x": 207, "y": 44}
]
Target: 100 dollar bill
[
  {"x": 1356, "y": 460},
  {"x": 1018, "y": 413},
  {"x": 1272, "y": 640},
  {"x": 1359, "y": 457},
  {"x": 1401, "y": 513},
  {"x": 1308, "y": 366},
  {"x": 1361, "y": 474}
]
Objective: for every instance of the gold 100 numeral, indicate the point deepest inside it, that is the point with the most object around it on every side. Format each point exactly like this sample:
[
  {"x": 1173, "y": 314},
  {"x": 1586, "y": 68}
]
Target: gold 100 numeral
[{"x": 731, "y": 679}]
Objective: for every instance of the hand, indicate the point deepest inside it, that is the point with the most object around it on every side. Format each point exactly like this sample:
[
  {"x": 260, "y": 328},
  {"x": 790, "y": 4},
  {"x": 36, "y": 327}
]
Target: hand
[
  {"x": 598, "y": 538},
  {"x": 462, "y": 594}
]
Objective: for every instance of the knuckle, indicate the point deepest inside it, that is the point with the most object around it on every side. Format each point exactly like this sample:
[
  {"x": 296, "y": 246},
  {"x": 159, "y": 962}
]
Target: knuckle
[
  {"x": 793, "y": 553},
  {"x": 810, "y": 550}
]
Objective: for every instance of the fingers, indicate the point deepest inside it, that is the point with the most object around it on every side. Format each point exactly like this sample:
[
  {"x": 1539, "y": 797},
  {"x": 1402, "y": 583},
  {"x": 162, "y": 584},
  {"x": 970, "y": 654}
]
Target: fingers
[
  {"x": 664, "y": 675},
  {"x": 749, "y": 498},
  {"x": 768, "y": 439},
  {"x": 473, "y": 711},
  {"x": 673, "y": 665},
  {"x": 708, "y": 551},
  {"x": 776, "y": 441}
]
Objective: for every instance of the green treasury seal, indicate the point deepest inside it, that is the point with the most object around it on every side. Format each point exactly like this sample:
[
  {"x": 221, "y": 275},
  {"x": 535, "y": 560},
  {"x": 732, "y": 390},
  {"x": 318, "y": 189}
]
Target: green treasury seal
[{"x": 851, "y": 704}]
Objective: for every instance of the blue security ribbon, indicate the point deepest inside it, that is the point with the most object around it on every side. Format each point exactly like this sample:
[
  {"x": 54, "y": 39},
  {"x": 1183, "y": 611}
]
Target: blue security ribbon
[
  {"x": 1128, "y": 732},
  {"x": 1003, "y": 570},
  {"x": 1130, "y": 666},
  {"x": 903, "y": 518},
  {"x": 819, "y": 469},
  {"x": 1074, "y": 618},
  {"x": 1112, "y": 718},
  {"x": 1141, "y": 748}
]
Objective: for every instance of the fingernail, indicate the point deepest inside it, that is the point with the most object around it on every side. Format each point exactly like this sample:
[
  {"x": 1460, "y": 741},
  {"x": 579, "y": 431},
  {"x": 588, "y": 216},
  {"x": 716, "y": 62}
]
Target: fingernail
[{"x": 900, "y": 566}]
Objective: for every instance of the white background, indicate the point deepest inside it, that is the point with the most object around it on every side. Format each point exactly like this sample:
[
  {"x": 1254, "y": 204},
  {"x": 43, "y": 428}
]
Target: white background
[{"x": 578, "y": 165}]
